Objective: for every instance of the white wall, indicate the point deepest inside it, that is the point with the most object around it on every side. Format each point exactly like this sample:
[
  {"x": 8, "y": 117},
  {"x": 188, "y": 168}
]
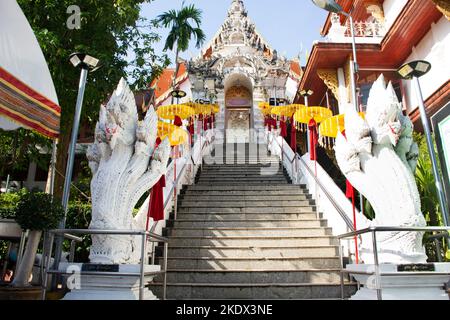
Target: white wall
[
  {"x": 392, "y": 9},
  {"x": 434, "y": 48},
  {"x": 291, "y": 89}
]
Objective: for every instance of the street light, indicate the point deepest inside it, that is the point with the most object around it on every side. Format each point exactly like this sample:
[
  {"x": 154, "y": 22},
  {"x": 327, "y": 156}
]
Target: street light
[
  {"x": 333, "y": 7},
  {"x": 86, "y": 63},
  {"x": 305, "y": 93},
  {"x": 178, "y": 94},
  {"x": 413, "y": 71}
]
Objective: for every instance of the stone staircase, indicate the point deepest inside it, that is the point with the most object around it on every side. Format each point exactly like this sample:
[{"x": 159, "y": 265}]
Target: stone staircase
[{"x": 243, "y": 235}]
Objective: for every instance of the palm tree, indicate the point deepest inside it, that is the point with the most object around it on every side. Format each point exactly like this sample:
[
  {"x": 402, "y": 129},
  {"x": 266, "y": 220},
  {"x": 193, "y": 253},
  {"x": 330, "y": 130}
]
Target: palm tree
[{"x": 184, "y": 25}]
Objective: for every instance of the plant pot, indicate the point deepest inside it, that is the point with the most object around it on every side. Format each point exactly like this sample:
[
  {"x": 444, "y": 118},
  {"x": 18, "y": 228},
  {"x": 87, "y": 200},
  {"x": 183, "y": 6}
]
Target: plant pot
[{"x": 25, "y": 293}]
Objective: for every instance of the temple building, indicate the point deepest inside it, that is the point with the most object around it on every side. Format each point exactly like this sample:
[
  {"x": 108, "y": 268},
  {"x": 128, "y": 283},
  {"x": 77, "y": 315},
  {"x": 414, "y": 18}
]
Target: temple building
[
  {"x": 388, "y": 34},
  {"x": 238, "y": 69}
]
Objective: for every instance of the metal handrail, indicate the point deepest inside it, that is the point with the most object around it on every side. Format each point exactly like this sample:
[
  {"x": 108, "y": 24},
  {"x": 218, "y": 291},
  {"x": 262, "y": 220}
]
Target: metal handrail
[
  {"x": 341, "y": 211},
  {"x": 146, "y": 236},
  {"x": 377, "y": 272},
  {"x": 338, "y": 208},
  {"x": 392, "y": 229}
]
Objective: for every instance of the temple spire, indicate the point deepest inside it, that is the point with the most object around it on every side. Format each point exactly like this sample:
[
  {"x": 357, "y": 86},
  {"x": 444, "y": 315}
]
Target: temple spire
[{"x": 237, "y": 8}]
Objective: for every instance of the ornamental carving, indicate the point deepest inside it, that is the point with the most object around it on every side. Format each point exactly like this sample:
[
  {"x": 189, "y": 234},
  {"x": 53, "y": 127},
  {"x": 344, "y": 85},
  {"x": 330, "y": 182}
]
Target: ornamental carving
[
  {"x": 330, "y": 78},
  {"x": 238, "y": 96},
  {"x": 444, "y": 7},
  {"x": 348, "y": 80}
]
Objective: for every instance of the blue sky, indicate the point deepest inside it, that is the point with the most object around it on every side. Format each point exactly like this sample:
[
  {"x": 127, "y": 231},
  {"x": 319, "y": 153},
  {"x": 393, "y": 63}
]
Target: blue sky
[{"x": 285, "y": 24}]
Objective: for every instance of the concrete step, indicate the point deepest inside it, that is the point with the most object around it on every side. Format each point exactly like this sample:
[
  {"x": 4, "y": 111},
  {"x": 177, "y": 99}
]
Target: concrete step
[
  {"x": 251, "y": 241},
  {"x": 239, "y": 183},
  {"x": 251, "y": 291},
  {"x": 253, "y": 252},
  {"x": 248, "y": 179},
  {"x": 247, "y": 188},
  {"x": 183, "y": 223},
  {"x": 239, "y": 198},
  {"x": 240, "y": 175},
  {"x": 247, "y": 210},
  {"x": 236, "y": 232},
  {"x": 227, "y": 193},
  {"x": 245, "y": 204},
  {"x": 229, "y": 168},
  {"x": 311, "y": 276},
  {"x": 251, "y": 264},
  {"x": 246, "y": 216}
]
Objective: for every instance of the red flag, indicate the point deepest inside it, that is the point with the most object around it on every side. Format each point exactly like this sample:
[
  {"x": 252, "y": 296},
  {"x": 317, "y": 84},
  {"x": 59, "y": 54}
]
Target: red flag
[
  {"x": 205, "y": 123},
  {"x": 349, "y": 190},
  {"x": 156, "y": 205},
  {"x": 293, "y": 136},
  {"x": 313, "y": 139},
  {"x": 178, "y": 122},
  {"x": 283, "y": 128},
  {"x": 274, "y": 124}
]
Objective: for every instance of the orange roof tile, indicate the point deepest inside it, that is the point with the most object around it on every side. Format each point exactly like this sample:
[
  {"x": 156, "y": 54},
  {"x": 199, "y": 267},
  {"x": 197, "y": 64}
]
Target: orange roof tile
[
  {"x": 295, "y": 68},
  {"x": 164, "y": 82}
]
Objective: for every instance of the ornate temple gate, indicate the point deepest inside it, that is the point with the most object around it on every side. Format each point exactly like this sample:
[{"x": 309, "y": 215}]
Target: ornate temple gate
[{"x": 238, "y": 114}]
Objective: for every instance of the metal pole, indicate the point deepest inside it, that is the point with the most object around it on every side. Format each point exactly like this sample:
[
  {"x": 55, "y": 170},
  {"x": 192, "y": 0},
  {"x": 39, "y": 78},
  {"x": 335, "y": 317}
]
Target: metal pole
[
  {"x": 307, "y": 130},
  {"x": 354, "y": 68},
  {"x": 141, "y": 279},
  {"x": 352, "y": 31},
  {"x": 7, "y": 183},
  {"x": 70, "y": 161},
  {"x": 53, "y": 167},
  {"x": 342, "y": 269},
  {"x": 426, "y": 128},
  {"x": 377, "y": 266},
  {"x": 166, "y": 247}
]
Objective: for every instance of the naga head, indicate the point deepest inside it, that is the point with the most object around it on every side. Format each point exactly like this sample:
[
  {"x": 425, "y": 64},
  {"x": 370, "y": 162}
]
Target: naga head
[
  {"x": 382, "y": 115},
  {"x": 121, "y": 116}
]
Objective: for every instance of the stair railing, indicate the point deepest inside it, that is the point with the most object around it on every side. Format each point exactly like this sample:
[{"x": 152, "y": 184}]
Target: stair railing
[{"x": 287, "y": 153}]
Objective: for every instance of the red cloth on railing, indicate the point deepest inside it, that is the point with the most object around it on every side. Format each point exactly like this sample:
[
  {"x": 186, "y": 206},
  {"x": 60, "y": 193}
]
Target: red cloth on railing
[
  {"x": 293, "y": 136},
  {"x": 156, "y": 205},
  {"x": 313, "y": 139},
  {"x": 274, "y": 123},
  {"x": 191, "y": 128},
  {"x": 349, "y": 190},
  {"x": 205, "y": 123},
  {"x": 177, "y": 121},
  {"x": 283, "y": 128},
  {"x": 211, "y": 121}
]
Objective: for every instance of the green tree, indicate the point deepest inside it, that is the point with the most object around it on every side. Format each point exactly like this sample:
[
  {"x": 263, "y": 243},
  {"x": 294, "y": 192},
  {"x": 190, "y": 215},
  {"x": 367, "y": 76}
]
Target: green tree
[
  {"x": 184, "y": 24},
  {"x": 111, "y": 31},
  {"x": 428, "y": 194}
]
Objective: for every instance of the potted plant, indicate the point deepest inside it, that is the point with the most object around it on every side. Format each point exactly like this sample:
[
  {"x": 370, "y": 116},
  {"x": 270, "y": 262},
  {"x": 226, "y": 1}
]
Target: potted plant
[{"x": 36, "y": 212}]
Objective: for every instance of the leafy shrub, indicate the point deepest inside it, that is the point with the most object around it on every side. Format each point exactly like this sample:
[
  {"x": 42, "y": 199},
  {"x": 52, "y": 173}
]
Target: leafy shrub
[
  {"x": 8, "y": 204},
  {"x": 78, "y": 217},
  {"x": 38, "y": 211}
]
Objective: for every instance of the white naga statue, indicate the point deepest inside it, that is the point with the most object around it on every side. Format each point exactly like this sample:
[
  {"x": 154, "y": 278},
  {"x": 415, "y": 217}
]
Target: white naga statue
[
  {"x": 124, "y": 166},
  {"x": 379, "y": 157}
]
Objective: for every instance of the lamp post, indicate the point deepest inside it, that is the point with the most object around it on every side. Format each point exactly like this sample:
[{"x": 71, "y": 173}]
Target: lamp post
[
  {"x": 413, "y": 71},
  {"x": 178, "y": 94},
  {"x": 306, "y": 93},
  {"x": 333, "y": 7},
  {"x": 86, "y": 63}
]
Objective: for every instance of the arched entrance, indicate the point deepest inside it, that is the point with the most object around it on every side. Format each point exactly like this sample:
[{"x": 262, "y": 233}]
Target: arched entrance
[{"x": 238, "y": 108}]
